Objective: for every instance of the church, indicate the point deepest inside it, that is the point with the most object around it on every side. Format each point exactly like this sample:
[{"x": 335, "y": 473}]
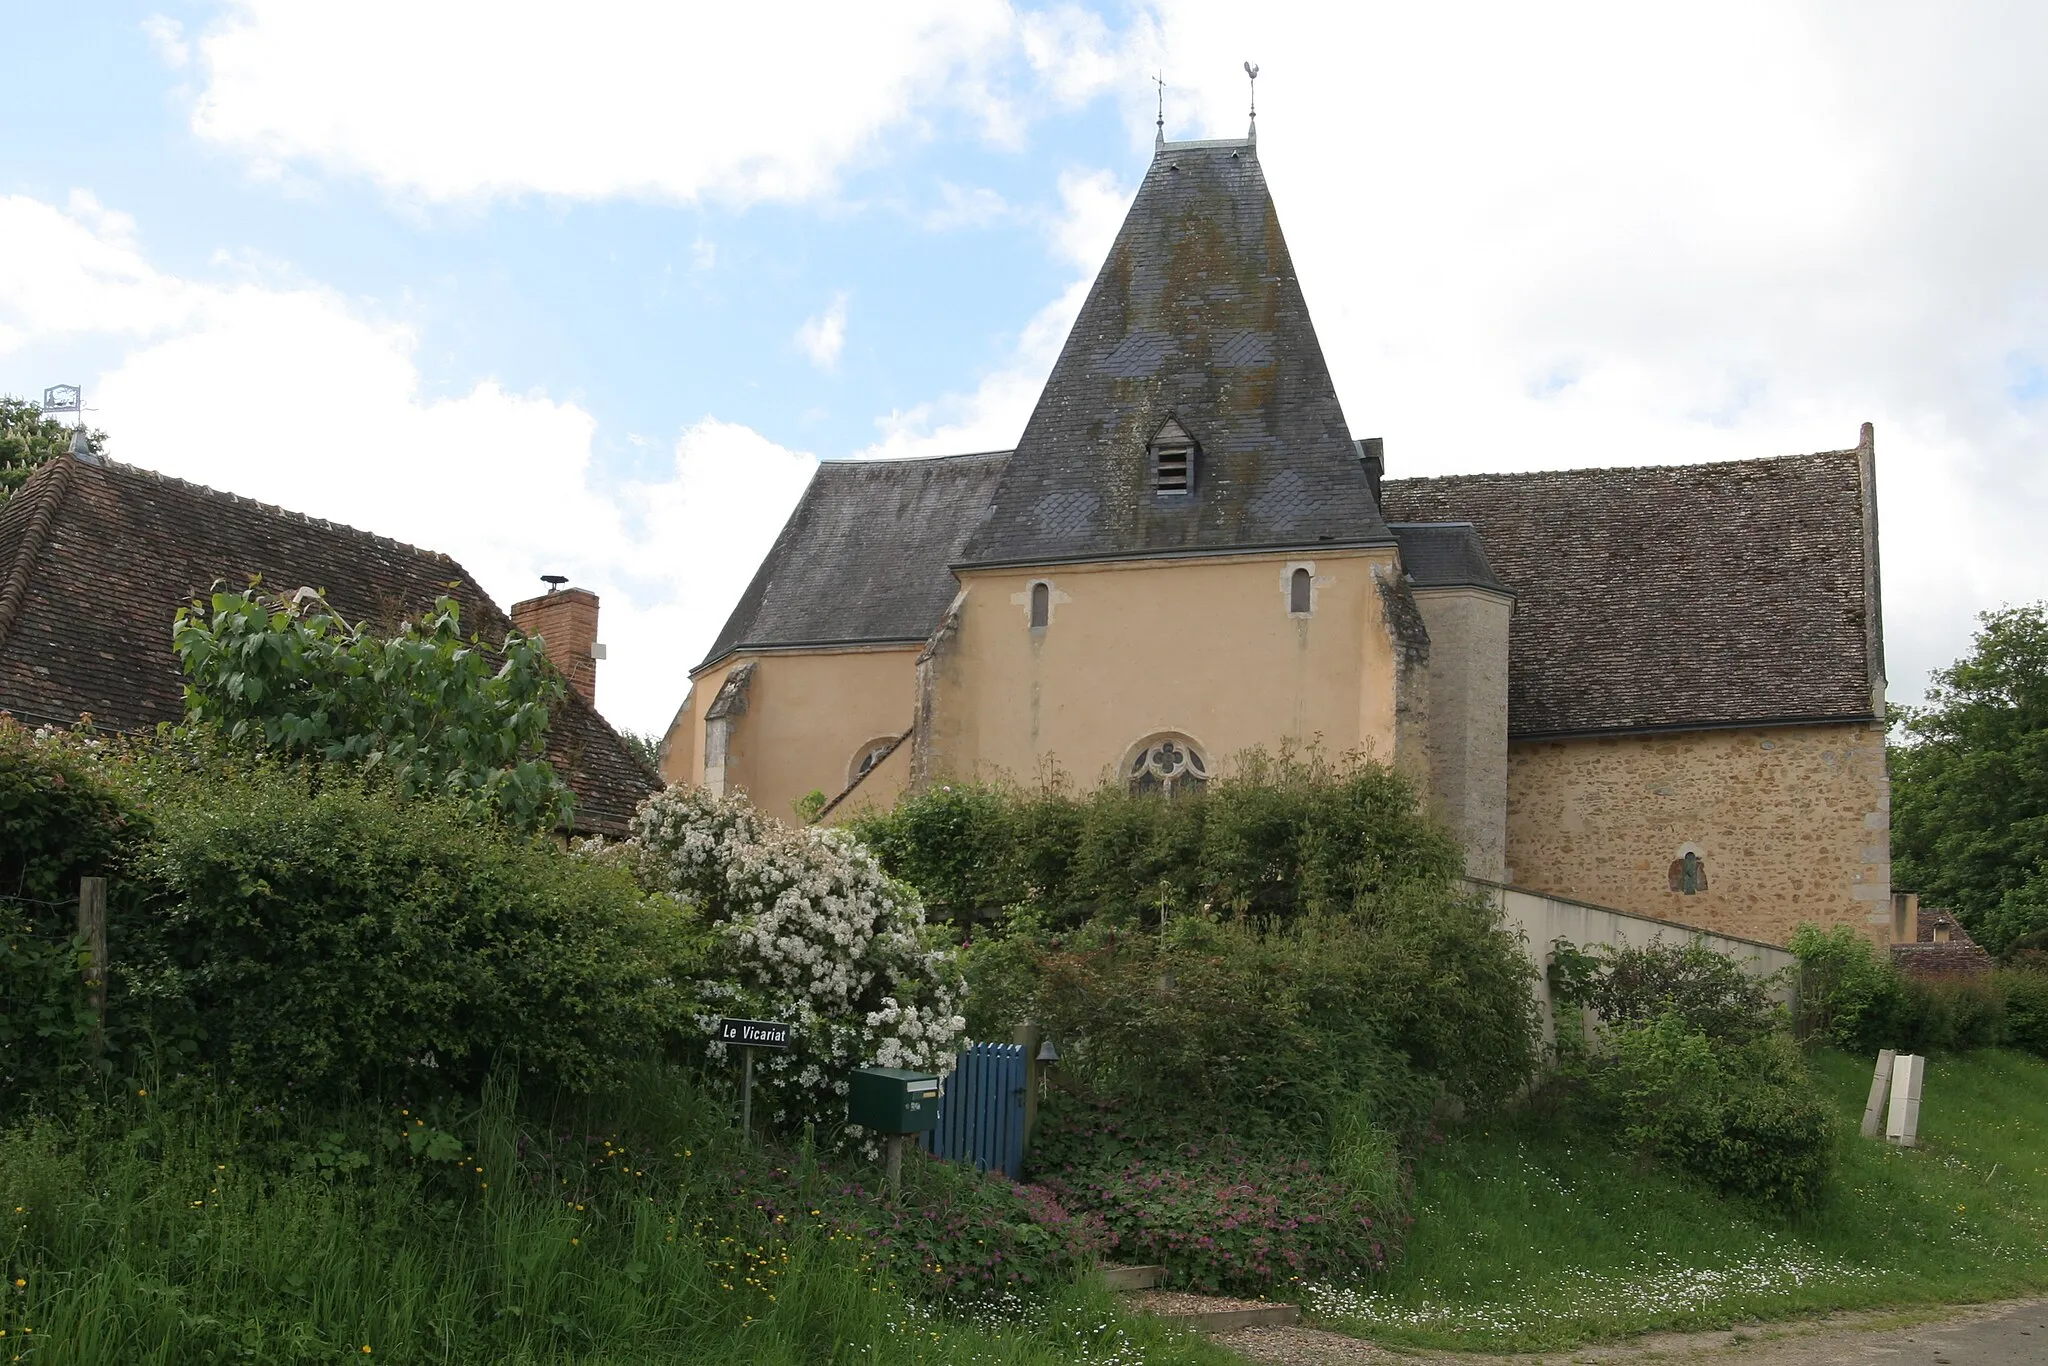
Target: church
[{"x": 1655, "y": 689}]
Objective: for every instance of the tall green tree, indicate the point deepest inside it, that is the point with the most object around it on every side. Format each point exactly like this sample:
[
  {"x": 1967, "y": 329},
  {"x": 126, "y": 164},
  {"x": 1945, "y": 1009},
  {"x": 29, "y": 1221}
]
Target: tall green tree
[
  {"x": 27, "y": 439},
  {"x": 426, "y": 707},
  {"x": 1970, "y": 784}
]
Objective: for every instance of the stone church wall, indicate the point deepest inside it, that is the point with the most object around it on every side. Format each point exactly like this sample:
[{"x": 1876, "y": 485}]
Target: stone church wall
[{"x": 1786, "y": 823}]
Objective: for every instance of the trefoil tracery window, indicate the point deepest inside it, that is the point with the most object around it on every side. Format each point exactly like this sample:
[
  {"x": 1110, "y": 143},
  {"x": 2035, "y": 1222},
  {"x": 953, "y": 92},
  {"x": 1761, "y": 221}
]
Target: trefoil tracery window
[{"x": 1168, "y": 765}]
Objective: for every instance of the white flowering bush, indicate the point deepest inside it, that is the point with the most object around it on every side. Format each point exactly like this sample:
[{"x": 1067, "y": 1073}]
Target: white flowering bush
[{"x": 810, "y": 930}]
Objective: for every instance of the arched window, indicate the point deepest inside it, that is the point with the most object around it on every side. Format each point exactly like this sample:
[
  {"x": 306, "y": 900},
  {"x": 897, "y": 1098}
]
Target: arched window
[
  {"x": 1689, "y": 874},
  {"x": 1041, "y": 605},
  {"x": 1169, "y": 765},
  {"x": 867, "y": 756},
  {"x": 1299, "y": 595}
]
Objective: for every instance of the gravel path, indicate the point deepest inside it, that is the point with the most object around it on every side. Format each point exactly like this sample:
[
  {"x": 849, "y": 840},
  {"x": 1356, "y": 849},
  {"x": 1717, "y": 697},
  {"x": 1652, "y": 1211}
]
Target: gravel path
[{"x": 2011, "y": 1334}]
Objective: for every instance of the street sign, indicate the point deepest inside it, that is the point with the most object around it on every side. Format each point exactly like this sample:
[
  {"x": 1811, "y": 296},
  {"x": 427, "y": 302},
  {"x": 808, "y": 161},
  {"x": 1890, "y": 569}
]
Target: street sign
[{"x": 754, "y": 1033}]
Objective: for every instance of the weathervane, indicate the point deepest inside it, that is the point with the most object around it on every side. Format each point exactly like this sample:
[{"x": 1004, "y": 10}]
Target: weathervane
[
  {"x": 1251, "y": 69},
  {"x": 1159, "y": 138}
]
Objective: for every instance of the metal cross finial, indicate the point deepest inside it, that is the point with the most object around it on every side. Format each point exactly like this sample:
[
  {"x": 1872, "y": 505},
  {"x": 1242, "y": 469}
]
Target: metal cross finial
[{"x": 1159, "y": 137}]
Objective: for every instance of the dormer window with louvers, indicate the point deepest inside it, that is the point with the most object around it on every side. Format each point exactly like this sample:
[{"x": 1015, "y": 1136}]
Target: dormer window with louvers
[{"x": 1173, "y": 460}]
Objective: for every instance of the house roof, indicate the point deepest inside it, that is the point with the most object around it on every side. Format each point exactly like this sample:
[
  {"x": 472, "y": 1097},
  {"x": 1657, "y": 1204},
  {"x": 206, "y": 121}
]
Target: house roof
[
  {"x": 863, "y": 559},
  {"x": 1445, "y": 555},
  {"x": 1678, "y": 596},
  {"x": 96, "y": 557},
  {"x": 1196, "y": 317}
]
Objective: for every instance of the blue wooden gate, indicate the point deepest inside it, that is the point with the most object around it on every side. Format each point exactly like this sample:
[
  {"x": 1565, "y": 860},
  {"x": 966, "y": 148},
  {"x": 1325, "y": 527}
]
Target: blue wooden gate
[{"x": 981, "y": 1110}]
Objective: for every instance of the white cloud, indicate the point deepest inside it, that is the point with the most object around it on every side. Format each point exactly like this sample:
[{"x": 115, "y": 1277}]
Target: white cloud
[
  {"x": 823, "y": 337},
  {"x": 472, "y": 99},
  {"x": 167, "y": 36},
  {"x": 291, "y": 394}
]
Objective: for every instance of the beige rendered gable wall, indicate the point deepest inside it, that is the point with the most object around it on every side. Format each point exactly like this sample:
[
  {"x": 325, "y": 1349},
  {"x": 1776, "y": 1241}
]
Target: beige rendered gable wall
[
  {"x": 809, "y": 716},
  {"x": 1203, "y": 647},
  {"x": 1791, "y": 823}
]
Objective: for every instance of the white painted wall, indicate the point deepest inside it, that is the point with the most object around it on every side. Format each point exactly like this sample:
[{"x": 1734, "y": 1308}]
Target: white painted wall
[{"x": 1543, "y": 920}]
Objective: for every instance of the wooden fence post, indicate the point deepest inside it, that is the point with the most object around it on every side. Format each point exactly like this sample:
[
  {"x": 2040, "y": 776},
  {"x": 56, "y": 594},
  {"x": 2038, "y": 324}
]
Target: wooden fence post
[
  {"x": 92, "y": 927},
  {"x": 1029, "y": 1035}
]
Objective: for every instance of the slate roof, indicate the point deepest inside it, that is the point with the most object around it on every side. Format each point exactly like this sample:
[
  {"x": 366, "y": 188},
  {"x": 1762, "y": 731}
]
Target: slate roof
[
  {"x": 95, "y": 557},
  {"x": 1197, "y": 316},
  {"x": 863, "y": 559},
  {"x": 1677, "y": 595},
  {"x": 1445, "y": 555}
]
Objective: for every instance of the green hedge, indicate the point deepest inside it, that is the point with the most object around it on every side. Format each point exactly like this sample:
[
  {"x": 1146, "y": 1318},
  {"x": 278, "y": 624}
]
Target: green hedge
[
  {"x": 340, "y": 939},
  {"x": 1851, "y": 995},
  {"x": 1274, "y": 839}
]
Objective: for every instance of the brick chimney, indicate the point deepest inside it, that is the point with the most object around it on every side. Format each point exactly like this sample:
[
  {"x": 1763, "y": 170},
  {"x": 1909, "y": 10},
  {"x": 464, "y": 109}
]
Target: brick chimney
[{"x": 566, "y": 621}]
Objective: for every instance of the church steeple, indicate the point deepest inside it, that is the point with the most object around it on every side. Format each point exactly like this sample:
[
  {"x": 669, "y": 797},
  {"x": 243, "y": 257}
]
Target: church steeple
[{"x": 1197, "y": 317}]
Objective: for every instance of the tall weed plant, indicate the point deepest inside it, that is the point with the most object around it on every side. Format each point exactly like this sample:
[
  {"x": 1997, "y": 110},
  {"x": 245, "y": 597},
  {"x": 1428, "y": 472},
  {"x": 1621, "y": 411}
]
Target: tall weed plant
[{"x": 187, "y": 1226}]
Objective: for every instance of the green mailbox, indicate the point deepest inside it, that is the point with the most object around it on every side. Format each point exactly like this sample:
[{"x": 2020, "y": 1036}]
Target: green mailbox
[{"x": 891, "y": 1100}]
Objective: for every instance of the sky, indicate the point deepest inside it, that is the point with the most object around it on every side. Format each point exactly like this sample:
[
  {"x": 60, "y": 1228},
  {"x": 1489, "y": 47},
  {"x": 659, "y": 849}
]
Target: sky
[{"x": 589, "y": 289}]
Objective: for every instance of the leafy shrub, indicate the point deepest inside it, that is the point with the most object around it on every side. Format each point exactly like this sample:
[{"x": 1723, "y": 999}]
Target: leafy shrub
[
  {"x": 1851, "y": 995},
  {"x": 1710, "y": 991},
  {"x": 806, "y": 928},
  {"x": 432, "y": 710},
  {"x": 2026, "y": 1011},
  {"x": 1848, "y": 995},
  {"x": 1742, "y": 1116},
  {"x": 60, "y": 820},
  {"x": 344, "y": 940},
  {"x": 1276, "y": 838},
  {"x": 1216, "y": 1017},
  {"x": 1214, "y": 1214},
  {"x": 954, "y": 1235}
]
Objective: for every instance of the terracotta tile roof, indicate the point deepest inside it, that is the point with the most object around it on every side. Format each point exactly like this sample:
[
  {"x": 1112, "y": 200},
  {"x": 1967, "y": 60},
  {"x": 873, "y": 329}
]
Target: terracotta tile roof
[
  {"x": 1957, "y": 956},
  {"x": 1197, "y": 316},
  {"x": 1677, "y": 595},
  {"x": 96, "y": 557}
]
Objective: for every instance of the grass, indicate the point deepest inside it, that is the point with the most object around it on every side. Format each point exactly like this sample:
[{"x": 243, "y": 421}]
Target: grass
[
  {"x": 1530, "y": 1235},
  {"x": 150, "y": 1231}
]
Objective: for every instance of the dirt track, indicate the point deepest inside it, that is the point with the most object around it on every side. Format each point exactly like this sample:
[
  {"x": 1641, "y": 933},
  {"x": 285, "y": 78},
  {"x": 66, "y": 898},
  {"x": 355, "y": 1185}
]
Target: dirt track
[{"x": 2010, "y": 1334}]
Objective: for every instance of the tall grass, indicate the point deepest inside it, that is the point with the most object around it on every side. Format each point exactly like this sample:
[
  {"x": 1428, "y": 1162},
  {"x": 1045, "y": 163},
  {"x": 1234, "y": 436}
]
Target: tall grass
[
  {"x": 1532, "y": 1234},
  {"x": 157, "y": 1230}
]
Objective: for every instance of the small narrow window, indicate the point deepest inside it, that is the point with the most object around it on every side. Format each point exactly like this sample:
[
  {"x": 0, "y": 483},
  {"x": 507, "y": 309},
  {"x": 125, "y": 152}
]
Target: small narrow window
[
  {"x": 1041, "y": 605},
  {"x": 1689, "y": 874},
  {"x": 1298, "y": 585},
  {"x": 1173, "y": 459}
]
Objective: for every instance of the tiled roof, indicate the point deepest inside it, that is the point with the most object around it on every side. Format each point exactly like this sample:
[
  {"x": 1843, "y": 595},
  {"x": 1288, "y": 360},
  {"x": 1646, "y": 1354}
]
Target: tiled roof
[
  {"x": 96, "y": 557},
  {"x": 1444, "y": 555},
  {"x": 1198, "y": 317},
  {"x": 863, "y": 559},
  {"x": 1677, "y": 595}
]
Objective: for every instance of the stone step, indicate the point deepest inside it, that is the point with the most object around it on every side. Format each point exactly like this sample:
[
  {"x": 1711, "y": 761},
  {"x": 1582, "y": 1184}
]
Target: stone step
[
  {"x": 1230, "y": 1320},
  {"x": 1133, "y": 1277},
  {"x": 1214, "y": 1314}
]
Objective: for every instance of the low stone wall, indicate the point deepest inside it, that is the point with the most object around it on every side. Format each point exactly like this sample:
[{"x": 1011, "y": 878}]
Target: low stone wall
[{"x": 1543, "y": 920}]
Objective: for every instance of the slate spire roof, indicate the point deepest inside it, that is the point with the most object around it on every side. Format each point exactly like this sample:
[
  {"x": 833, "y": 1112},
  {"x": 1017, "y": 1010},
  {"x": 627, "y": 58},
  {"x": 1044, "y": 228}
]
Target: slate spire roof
[
  {"x": 96, "y": 556},
  {"x": 1197, "y": 318}
]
